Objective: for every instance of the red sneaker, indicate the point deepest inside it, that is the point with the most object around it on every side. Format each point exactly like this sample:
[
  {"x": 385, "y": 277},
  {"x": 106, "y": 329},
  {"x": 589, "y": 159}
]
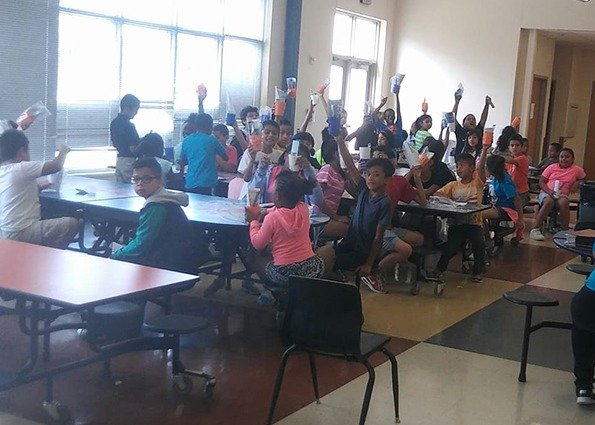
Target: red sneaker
[{"x": 374, "y": 283}]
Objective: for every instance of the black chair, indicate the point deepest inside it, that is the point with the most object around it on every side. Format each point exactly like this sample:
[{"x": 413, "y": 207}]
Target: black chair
[{"x": 324, "y": 317}]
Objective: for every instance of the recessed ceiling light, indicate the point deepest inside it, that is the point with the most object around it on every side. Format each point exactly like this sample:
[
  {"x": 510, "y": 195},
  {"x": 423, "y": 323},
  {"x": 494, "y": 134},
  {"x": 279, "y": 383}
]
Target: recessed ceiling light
[{"x": 585, "y": 1}]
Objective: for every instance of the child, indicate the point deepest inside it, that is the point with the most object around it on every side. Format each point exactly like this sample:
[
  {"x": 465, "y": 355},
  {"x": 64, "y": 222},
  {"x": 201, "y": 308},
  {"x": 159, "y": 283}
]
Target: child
[
  {"x": 332, "y": 181},
  {"x": 553, "y": 152},
  {"x": 517, "y": 166},
  {"x": 469, "y": 121},
  {"x": 435, "y": 173},
  {"x": 286, "y": 227},
  {"x": 468, "y": 189},
  {"x": 240, "y": 139},
  {"x": 20, "y": 212},
  {"x": 525, "y": 149},
  {"x": 508, "y": 205},
  {"x": 363, "y": 244},
  {"x": 161, "y": 239},
  {"x": 221, "y": 133},
  {"x": 502, "y": 147},
  {"x": 473, "y": 144},
  {"x": 151, "y": 145},
  {"x": 569, "y": 176},
  {"x": 285, "y": 134},
  {"x": 252, "y": 159},
  {"x": 199, "y": 151},
  {"x": 307, "y": 140},
  {"x": 124, "y": 137},
  {"x": 420, "y": 129},
  {"x": 583, "y": 340}
]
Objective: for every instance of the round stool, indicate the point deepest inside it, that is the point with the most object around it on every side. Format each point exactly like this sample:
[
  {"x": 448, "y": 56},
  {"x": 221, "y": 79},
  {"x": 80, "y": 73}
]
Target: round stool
[
  {"x": 173, "y": 326},
  {"x": 114, "y": 321},
  {"x": 578, "y": 268}
]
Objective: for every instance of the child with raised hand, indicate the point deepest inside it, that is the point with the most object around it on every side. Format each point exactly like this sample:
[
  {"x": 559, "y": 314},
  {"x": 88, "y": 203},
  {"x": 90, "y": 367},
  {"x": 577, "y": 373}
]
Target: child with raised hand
[
  {"x": 363, "y": 245},
  {"x": 251, "y": 159},
  {"x": 517, "y": 166},
  {"x": 20, "y": 210},
  {"x": 508, "y": 205},
  {"x": 502, "y": 147},
  {"x": 286, "y": 228},
  {"x": 553, "y": 153},
  {"x": 420, "y": 130},
  {"x": 221, "y": 133},
  {"x": 199, "y": 152},
  {"x": 285, "y": 134},
  {"x": 568, "y": 176},
  {"x": 469, "y": 121},
  {"x": 468, "y": 189},
  {"x": 332, "y": 180},
  {"x": 307, "y": 140},
  {"x": 240, "y": 139}
]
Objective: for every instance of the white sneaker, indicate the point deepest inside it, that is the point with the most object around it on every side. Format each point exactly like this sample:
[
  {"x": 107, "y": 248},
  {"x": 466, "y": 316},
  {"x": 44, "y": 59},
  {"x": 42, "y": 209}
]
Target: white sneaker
[{"x": 536, "y": 235}]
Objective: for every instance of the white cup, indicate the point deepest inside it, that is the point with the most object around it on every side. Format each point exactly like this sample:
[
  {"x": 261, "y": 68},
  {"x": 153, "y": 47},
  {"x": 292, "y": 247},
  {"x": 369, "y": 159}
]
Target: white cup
[
  {"x": 292, "y": 162},
  {"x": 364, "y": 152}
]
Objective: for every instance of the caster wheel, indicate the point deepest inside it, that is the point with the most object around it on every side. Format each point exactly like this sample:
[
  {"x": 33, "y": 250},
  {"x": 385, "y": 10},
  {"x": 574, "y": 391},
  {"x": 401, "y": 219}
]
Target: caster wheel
[
  {"x": 209, "y": 387},
  {"x": 439, "y": 289},
  {"x": 514, "y": 242},
  {"x": 466, "y": 268},
  {"x": 415, "y": 287},
  {"x": 57, "y": 413},
  {"x": 182, "y": 384}
]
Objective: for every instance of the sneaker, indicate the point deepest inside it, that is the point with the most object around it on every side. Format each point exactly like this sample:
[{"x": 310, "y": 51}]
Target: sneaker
[
  {"x": 266, "y": 298},
  {"x": 585, "y": 397},
  {"x": 434, "y": 276},
  {"x": 477, "y": 278},
  {"x": 249, "y": 287},
  {"x": 374, "y": 283},
  {"x": 536, "y": 235}
]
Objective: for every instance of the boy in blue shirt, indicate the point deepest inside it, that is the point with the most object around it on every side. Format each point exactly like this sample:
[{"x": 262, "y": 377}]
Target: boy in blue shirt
[
  {"x": 199, "y": 151},
  {"x": 363, "y": 244},
  {"x": 162, "y": 237}
]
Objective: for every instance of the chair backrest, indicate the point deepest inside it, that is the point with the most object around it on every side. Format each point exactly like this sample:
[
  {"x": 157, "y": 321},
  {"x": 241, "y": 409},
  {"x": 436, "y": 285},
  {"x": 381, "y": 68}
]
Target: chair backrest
[
  {"x": 234, "y": 189},
  {"x": 323, "y": 315}
]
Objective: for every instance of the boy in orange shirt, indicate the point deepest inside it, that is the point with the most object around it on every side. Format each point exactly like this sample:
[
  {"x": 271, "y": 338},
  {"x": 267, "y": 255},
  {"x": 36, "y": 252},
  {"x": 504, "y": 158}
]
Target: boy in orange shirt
[{"x": 517, "y": 166}]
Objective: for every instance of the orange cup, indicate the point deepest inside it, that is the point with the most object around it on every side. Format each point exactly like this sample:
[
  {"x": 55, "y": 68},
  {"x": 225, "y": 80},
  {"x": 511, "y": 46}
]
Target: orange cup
[
  {"x": 256, "y": 141},
  {"x": 488, "y": 136},
  {"x": 423, "y": 159},
  {"x": 253, "y": 210},
  {"x": 516, "y": 122},
  {"x": 279, "y": 108}
]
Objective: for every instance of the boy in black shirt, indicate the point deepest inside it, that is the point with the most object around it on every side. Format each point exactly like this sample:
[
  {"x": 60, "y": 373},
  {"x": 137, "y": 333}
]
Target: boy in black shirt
[{"x": 125, "y": 138}]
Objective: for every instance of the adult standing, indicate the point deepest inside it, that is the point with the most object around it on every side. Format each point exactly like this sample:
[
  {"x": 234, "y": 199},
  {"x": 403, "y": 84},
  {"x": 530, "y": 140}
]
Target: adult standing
[{"x": 125, "y": 138}]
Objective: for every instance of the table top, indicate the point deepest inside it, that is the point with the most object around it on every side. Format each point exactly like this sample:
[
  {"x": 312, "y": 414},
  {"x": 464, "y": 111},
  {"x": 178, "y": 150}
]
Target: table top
[
  {"x": 226, "y": 177},
  {"x": 560, "y": 240},
  {"x": 203, "y": 209},
  {"x": 67, "y": 278},
  {"x": 441, "y": 209},
  {"x": 80, "y": 189}
]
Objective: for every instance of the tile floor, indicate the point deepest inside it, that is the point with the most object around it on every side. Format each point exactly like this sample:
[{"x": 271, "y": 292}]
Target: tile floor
[{"x": 458, "y": 358}]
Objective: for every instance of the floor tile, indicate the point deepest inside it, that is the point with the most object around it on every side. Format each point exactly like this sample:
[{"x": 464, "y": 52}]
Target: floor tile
[
  {"x": 419, "y": 317},
  {"x": 497, "y": 330},
  {"x": 442, "y": 385},
  {"x": 561, "y": 278}
]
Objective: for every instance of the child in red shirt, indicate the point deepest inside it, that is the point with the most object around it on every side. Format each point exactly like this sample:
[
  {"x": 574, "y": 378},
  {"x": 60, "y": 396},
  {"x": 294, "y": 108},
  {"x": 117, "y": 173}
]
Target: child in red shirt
[{"x": 517, "y": 166}]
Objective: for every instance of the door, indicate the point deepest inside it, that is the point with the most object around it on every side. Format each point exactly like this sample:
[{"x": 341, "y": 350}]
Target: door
[
  {"x": 536, "y": 116},
  {"x": 589, "y": 159}
]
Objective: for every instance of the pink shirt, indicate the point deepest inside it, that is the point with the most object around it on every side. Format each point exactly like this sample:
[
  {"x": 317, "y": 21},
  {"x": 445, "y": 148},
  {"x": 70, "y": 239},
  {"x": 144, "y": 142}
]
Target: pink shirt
[
  {"x": 333, "y": 186},
  {"x": 566, "y": 176},
  {"x": 288, "y": 232}
]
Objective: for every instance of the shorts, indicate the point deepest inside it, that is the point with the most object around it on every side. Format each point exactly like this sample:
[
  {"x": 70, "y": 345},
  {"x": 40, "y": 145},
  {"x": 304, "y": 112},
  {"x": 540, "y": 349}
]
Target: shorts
[
  {"x": 124, "y": 168},
  {"x": 348, "y": 257},
  {"x": 391, "y": 236},
  {"x": 279, "y": 275},
  {"x": 502, "y": 215},
  {"x": 51, "y": 232},
  {"x": 525, "y": 198},
  {"x": 542, "y": 196}
]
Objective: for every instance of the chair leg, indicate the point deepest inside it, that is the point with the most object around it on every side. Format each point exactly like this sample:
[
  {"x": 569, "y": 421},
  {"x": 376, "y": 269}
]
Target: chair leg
[
  {"x": 526, "y": 336},
  {"x": 369, "y": 388},
  {"x": 395, "y": 375},
  {"x": 314, "y": 377},
  {"x": 279, "y": 381}
]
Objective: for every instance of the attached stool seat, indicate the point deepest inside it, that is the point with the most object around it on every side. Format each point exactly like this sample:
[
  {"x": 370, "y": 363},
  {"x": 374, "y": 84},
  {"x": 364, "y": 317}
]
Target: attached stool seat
[
  {"x": 174, "y": 325},
  {"x": 115, "y": 321},
  {"x": 578, "y": 268},
  {"x": 532, "y": 299}
]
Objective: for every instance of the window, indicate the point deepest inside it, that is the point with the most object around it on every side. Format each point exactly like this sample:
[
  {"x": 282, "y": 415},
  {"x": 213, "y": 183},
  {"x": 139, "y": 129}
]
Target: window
[
  {"x": 355, "y": 62},
  {"x": 158, "y": 50}
]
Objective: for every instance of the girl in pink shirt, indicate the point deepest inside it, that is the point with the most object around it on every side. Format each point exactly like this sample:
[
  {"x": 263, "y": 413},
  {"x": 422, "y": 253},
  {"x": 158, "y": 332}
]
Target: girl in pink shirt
[
  {"x": 286, "y": 228},
  {"x": 569, "y": 176}
]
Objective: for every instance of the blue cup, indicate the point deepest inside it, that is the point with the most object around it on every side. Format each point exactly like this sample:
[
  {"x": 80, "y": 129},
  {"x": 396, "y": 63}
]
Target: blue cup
[
  {"x": 230, "y": 118},
  {"x": 334, "y": 125},
  {"x": 265, "y": 117},
  {"x": 169, "y": 153}
]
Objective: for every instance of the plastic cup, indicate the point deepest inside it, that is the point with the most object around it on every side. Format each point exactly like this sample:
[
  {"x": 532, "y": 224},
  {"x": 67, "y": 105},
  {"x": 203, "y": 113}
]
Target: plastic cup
[
  {"x": 201, "y": 90},
  {"x": 488, "y": 136},
  {"x": 292, "y": 162},
  {"x": 255, "y": 141},
  {"x": 364, "y": 152},
  {"x": 334, "y": 126},
  {"x": 253, "y": 197},
  {"x": 279, "y": 108},
  {"x": 230, "y": 118},
  {"x": 314, "y": 97},
  {"x": 342, "y": 163},
  {"x": 516, "y": 122},
  {"x": 265, "y": 113},
  {"x": 291, "y": 87},
  {"x": 323, "y": 86},
  {"x": 424, "y": 107}
]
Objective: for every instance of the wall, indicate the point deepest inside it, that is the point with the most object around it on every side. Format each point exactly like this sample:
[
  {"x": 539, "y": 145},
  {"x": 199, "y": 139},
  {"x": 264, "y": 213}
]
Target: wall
[
  {"x": 561, "y": 74},
  {"x": 315, "y": 55}
]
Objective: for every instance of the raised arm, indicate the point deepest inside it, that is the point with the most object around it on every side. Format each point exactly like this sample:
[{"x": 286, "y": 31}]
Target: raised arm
[
  {"x": 485, "y": 111},
  {"x": 56, "y": 164},
  {"x": 307, "y": 118},
  {"x": 324, "y": 103},
  {"x": 421, "y": 198},
  {"x": 240, "y": 135},
  {"x": 379, "y": 107},
  {"x": 481, "y": 166},
  {"x": 352, "y": 171}
]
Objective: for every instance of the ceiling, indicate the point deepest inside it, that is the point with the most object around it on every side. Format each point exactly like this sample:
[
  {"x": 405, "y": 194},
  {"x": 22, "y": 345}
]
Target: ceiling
[{"x": 584, "y": 39}]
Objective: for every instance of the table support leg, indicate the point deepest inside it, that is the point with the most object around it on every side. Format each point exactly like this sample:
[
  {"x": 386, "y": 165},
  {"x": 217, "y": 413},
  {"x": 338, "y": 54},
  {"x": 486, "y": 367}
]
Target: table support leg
[{"x": 526, "y": 336}]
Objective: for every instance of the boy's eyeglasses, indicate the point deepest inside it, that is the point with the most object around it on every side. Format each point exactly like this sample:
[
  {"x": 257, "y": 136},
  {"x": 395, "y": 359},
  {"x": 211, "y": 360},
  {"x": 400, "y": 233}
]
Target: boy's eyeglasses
[{"x": 144, "y": 179}]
